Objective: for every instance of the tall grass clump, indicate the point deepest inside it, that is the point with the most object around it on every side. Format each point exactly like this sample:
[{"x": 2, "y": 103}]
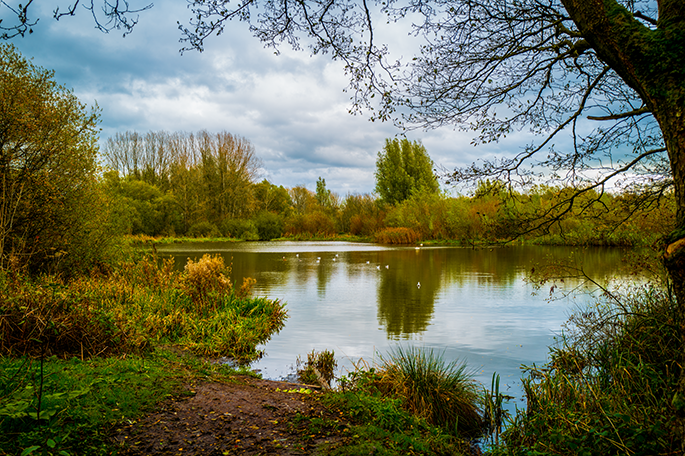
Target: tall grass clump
[
  {"x": 413, "y": 403},
  {"x": 444, "y": 393},
  {"x": 319, "y": 369},
  {"x": 610, "y": 386}
]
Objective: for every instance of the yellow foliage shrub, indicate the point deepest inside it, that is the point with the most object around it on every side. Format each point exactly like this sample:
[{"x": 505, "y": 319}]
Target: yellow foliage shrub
[
  {"x": 246, "y": 287},
  {"x": 204, "y": 278}
]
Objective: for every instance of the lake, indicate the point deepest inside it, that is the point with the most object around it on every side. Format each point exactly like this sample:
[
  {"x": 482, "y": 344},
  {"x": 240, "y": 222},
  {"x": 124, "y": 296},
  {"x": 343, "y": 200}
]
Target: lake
[{"x": 363, "y": 299}]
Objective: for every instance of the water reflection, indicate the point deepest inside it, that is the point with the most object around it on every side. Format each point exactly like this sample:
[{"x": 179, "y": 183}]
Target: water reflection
[
  {"x": 360, "y": 299},
  {"x": 406, "y": 293}
]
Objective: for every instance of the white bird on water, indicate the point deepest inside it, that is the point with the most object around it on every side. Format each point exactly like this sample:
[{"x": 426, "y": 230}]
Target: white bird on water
[
  {"x": 378, "y": 267},
  {"x": 387, "y": 266},
  {"x": 418, "y": 285}
]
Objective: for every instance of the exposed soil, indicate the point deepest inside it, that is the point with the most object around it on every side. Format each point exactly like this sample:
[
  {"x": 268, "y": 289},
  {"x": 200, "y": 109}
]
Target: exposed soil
[{"x": 246, "y": 417}]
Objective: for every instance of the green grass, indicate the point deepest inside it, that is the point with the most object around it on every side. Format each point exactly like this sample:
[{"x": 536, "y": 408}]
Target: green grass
[{"x": 380, "y": 425}]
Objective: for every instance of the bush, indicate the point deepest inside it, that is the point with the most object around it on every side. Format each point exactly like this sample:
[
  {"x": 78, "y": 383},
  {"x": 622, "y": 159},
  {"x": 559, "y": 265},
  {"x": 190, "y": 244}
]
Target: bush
[
  {"x": 269, "y": 225},
  {"x": 313, "y": 223},
  {"x": 240, "y": 229},
  {"x": 207, "y": 279},
  {"x": 609, "y": 386},
  {"x": 424, "y": 212},
  {"x": 203, "y": 229}
]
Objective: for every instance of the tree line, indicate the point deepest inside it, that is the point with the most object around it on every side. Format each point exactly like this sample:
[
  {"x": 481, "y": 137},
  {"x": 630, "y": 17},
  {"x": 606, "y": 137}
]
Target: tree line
[{"x": 203, "y": 184}]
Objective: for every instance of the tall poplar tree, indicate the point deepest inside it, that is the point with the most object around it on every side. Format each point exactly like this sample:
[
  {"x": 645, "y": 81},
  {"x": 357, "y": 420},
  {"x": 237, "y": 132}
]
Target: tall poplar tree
[{"x": 402, "y": 169}]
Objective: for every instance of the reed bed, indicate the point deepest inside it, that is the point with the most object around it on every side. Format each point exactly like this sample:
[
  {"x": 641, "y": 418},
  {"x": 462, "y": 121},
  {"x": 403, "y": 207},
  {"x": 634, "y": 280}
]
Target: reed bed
[
  {"x": 609, "y": 387},
  {"x": 397, "y": 236}
]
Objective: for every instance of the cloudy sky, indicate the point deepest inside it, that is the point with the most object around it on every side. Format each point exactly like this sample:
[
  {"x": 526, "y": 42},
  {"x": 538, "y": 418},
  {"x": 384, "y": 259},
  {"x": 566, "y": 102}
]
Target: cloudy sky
[{"x": 292, "y": 107}]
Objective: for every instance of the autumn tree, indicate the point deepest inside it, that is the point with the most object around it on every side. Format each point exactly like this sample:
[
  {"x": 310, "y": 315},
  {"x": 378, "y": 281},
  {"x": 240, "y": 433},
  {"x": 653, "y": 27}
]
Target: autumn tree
[
  {"x": 210, "y": 175},
  {"x": 402, "y": 169},
  {"x": 272, "y": 198},
  {"x": 303, "y": 199},
  {"x": 51, "y": 212}
]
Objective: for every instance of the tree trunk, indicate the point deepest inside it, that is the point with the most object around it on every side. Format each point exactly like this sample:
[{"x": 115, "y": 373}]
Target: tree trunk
[{"x": 673, "y": 127}]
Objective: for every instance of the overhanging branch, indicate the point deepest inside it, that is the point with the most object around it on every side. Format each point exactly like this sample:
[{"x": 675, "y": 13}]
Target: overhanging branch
[{"x": 623, "y": 115}]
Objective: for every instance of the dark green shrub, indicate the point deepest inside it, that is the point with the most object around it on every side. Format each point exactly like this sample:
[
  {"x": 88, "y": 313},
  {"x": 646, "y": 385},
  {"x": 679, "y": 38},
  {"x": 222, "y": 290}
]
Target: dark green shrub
[
  {"x": 203, "y": 229},
  {"x": 269, "y": 225},
  {"x": 240, "y": 228}
]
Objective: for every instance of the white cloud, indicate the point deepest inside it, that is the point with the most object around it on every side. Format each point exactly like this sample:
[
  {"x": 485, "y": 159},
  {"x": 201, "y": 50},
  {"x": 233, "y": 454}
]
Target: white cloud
[{"x": 291, "y": 107}]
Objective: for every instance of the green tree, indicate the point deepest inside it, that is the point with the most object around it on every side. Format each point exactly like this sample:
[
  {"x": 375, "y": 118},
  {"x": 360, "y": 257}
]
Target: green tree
[
  {"x": 51, "y": 209},
  {"x": 210, "y": 176},
  {"x": 403, "y": 168},
  {"x": 142, "y": 208},
  {"x": 269, "y": 225},
  {"x": 323, "y": 195}
]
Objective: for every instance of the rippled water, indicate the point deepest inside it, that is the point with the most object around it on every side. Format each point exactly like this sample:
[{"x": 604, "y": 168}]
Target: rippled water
[{"x": 363, "y": 299}]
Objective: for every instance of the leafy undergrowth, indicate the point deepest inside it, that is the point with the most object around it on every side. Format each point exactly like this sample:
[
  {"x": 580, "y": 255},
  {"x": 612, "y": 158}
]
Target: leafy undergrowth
[{"x": 68, "y": 406}]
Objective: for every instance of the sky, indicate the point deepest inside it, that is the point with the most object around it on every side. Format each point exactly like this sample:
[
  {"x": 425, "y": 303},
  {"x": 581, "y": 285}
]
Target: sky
[{"x": 292, "y": 107}]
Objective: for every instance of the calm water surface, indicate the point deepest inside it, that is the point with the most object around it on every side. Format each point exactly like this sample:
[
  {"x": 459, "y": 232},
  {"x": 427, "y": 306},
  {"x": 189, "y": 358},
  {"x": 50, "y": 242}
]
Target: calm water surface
[{"x": 364, "y": 299}]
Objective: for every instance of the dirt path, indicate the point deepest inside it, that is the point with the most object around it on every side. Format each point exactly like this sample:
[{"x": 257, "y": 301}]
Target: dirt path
[{"x": 247, "y": 417}]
